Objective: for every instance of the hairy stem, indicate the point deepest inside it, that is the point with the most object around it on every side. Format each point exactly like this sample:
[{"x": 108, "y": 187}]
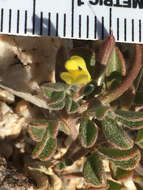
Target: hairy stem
[{"x": 127, "y": 82}]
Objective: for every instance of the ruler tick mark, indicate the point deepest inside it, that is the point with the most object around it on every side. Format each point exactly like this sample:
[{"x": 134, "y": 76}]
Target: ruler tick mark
[
  {"x": 41, "y": 23},
  {"x": 102, "y": 33},
  {"x": 34, "y": 11},
  {"x": 95, "y": 26},
  {"x": 57, "y": 23},
  {"x": 49, "y": 24},
  {"x": 18, "y": 19},
  {"x": 79, "y": 26},
  {"x": 64, "y": 29},
  {"x": 118, "y": 26},
  {"x": 87, "y": 24},
  {"x": 72, "y": 20},
  {"x": 132, "y": 29},
  {"x": 9, "y": 25},
  {"x": 25, "y": 24},
  {"x": 140, "y": 31},
  {"x": 110, "y": 20},
  {"x": 125, "y": 29},
  {"x": 2, "y": 15}
]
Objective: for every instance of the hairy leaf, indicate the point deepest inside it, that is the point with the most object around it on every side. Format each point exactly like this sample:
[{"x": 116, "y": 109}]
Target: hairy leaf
[
  {"x": 88, "y": 133},
  {"x": 66, "y": 162},
  {"x": 116, "y": 154},
  {"x": 56, "y": 97},
  {"x": 71, "y": 105},
  {"x": 57, "y": 87},
  {"x": 130, "y": 115},
  {"x": 48, "y": 150},
  {"x": 37, "y": 129},
  {"x": 116, "y": 63},
  {"x": 93, "y": 170},
  {"x": 130, "y": 124},
  {"x": 128, "y": 164},
  {"x": 45, "y": 149},
  {"x": 115, "y": 134},
  {"x": 120, "y": 174},
  {"x": 113, "y": 185},
  {"x": 52, "y": 128},
  {"x": 100, "y": 112},
  {"x": 57, "y": 106},
  {"x": 139, "y": 138}
]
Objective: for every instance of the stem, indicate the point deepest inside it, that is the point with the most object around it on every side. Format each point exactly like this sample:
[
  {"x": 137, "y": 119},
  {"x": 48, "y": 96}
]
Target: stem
[
  {"x": 139, "y": 79},
  {"x": 127, "y": 82},
  {"x": 80, "y": 153}
]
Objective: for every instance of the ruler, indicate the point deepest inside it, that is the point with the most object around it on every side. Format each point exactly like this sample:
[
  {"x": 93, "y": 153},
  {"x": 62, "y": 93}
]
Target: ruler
[{"x": 75, "y": 19}]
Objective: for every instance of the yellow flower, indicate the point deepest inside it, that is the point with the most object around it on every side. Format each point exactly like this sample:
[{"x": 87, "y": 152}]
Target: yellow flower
[{"x": 77, "y": 71}]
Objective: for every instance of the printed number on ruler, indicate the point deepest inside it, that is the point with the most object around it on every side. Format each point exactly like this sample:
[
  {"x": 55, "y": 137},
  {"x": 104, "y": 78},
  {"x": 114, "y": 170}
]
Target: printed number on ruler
[{"x": 78, "y": 19}]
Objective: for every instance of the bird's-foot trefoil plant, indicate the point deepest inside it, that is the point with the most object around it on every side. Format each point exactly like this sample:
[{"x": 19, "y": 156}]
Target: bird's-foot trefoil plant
[{"x": 93, "y": 99}]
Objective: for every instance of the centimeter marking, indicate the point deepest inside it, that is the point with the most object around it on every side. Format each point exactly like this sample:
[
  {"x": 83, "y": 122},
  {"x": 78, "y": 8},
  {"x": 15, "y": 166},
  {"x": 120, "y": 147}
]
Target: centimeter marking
[{"x": 80, "y": 19}]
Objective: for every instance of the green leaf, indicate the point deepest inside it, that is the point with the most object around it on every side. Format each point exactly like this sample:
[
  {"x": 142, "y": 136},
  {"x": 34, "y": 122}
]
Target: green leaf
[
  {"x": 94, "y": 171},
  {"x": 74, "y": 107},
  {"x": 115, "y": 69},
  {"x": 45, "y": 149},
  {"x": 47, "y": 92},
  {"x": 130, "y": 124},
  {"x": 120, "y": 174},
  {"x": 116, "y": 154},
  {"x": 71, "y": 105},
  {"x": 128, "y": 164},
  {"x": 73, "y": 88},
  {"x": 100, "y": 111},
  {"x": 56, "y": 97},
  {"x": 57, "y": 87},
  {"x": 52, "y": 128},
  {"x": 57, "y": 106},
  {"x": 88, "y": 132},
  {"x": 139, "y": 138},
  {"x": 64, "y": 163},
  {"x": 129, "y": 115},
  {"x": 48, "y": 149},
  {"x": 115, "y": 134},
  {"x": 37, "y": 129},
  {"x": 116, "y": 63},
  {"x": 113, "y": 185}
]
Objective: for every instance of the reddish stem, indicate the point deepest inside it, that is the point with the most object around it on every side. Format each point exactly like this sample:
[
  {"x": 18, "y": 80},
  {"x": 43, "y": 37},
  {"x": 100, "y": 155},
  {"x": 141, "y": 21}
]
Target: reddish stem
[{"x": 127, "y": 82}]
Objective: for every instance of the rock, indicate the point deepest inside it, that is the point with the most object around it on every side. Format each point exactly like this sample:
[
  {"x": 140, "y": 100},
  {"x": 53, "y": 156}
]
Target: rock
[{"x": 11, "y": 124}]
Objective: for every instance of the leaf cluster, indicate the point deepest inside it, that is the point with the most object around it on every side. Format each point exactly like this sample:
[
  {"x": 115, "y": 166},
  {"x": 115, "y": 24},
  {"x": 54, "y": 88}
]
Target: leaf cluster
[{"x": 104, "y": 130}]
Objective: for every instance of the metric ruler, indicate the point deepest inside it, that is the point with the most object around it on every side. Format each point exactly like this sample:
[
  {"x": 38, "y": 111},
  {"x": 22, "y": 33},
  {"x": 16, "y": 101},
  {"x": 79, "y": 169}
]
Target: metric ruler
[{"x": 76, "y": 19}]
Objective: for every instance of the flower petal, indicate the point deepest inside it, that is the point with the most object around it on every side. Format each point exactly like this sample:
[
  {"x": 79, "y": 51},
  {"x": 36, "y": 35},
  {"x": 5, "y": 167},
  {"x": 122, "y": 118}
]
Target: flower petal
[
  {"x": 75, "y": 63},
  {"x": 81, "y": 79},
  {"x": 67, "y": 77}
]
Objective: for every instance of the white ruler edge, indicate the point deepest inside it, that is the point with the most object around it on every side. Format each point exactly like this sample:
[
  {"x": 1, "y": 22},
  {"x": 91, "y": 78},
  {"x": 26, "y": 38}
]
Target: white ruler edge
[{"x": 74, "y": 19}]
